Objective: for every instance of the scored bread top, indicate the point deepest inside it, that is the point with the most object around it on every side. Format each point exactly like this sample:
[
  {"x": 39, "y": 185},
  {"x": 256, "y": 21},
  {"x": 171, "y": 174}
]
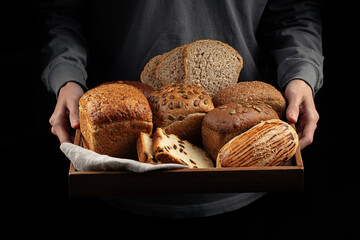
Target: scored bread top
[
  {"x": 269, "y": 143},
  {"x": 174, "y": 102},
  {"x": 113, "y": 102},
  {"x": 252, "y": 91},
  {"x": 239, "y": 116}
]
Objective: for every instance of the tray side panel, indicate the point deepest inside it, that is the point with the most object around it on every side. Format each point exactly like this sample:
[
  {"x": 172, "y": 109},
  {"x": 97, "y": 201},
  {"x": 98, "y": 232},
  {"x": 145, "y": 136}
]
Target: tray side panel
[{"x": 186, "y": 182}]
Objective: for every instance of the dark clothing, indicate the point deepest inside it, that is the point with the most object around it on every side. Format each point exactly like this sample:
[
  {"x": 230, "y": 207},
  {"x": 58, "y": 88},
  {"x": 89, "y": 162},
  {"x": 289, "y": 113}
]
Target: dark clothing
[
  {"x": 279, "y": 41},
  {"x": 113, "y": 40}
]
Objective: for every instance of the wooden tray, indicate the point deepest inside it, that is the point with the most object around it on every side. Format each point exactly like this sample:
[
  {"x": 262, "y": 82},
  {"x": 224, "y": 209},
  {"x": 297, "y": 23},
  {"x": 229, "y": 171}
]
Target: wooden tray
[{"x": 214, "y": 180}]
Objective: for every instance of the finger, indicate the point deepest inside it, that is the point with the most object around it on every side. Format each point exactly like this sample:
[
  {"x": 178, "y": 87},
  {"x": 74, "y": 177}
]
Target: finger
[
  {"x": 53, "y": 130},
  {"x": 292, "y": 111},
  {"x": 308, "y": 124},
  {"x": 63, "y": 133},
  {"x": 307, "y": 134},
  {"x": 73, "y": 108},
  {"x": 59, "y": 125}
]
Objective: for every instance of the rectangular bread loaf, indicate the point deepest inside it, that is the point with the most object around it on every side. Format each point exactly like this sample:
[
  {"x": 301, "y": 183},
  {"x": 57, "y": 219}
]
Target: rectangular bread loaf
[{"x": 111, "y": 118}]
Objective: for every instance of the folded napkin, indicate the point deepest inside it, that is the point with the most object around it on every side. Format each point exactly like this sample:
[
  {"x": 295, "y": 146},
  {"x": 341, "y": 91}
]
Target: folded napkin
[{"x": 86, "y": 160}]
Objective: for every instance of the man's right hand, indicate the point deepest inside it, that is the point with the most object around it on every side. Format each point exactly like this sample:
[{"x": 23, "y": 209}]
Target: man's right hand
[{"x": 65, "y": 117}]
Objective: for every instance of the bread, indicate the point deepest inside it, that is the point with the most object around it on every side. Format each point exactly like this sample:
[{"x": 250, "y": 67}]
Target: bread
[
  {"x": 148, "y": 75},
  {"x": 144, "y": 146},
  {"x": 168, "y": 148},
  {"x": 144, "y": 88},
  {"x": 171, "y": 67},
  {"x": 252, "y": 91},
  {"x": 229, "y": 120},
  {"x": 211, "y": 64},
  {"x": 112, "y": 116},
  {"x": 269, "y": 143},
  {"x": 179, "y": 109}
]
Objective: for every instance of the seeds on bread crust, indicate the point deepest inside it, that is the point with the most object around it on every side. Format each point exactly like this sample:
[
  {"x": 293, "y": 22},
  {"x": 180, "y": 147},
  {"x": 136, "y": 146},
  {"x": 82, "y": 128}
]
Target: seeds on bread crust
[
  {"x": 180, "y": 97},
  {"x": 179, "y": 108}
]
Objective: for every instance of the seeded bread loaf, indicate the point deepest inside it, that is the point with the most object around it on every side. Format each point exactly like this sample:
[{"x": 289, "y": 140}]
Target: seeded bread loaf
[
  {"x": 229, "y": 120},
  {"x": 269, "y": 143},
  {"x": 179, "y": 109},
  {"x": 171, "y": 67},
  {"x": 168, "y": 148},
  {"x": 211, "y": 64},
  {"x": 112, "y": 116},
  {"x": 148, "y": 75},
  {"x": 252, "y": 91}
]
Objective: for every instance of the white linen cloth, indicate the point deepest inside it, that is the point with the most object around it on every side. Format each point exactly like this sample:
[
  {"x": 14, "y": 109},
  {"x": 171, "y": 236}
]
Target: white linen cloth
[
  {"x": 87, "y": 160},
  {"x": 168, "y": 206}
]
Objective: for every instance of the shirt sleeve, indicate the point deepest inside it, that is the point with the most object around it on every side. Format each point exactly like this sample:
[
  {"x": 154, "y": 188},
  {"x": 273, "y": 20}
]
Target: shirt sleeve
[
  {"x": 64, "y": 55},
  {"x": 292, "y": 34}
]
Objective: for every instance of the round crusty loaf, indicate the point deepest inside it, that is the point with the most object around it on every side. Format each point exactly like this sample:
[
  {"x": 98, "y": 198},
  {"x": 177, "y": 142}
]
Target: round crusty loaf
[
  {"x": 229, "y": 120},
  {"x": 252, "y": 91},
  {"x": 111, "y": 117},
  {"x": 269, "y": 143},
  {"x": 179, "y": 109},
  {"x": 212, "y": 64}
]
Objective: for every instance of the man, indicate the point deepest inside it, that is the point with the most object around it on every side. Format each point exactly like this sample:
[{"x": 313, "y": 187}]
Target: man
[{"x": 280, "y": 42}]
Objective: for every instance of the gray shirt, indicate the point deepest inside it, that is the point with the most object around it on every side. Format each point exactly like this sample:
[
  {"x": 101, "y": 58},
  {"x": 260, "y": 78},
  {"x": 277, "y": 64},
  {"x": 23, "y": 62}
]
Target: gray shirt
[
  {"x": 91, "y": 42},
  {"x": 96, "y": 41}
]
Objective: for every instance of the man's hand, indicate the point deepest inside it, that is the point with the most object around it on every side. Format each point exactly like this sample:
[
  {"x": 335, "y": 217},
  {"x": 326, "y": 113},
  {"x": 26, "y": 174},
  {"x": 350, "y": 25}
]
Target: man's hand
[
  {"x": 66, "y": 114},
  {"x": 301, "y": 110}
]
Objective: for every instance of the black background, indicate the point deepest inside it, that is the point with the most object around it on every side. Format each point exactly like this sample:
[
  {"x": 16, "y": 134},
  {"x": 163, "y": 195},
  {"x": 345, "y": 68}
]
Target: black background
[{"x": 34, "y": 188}]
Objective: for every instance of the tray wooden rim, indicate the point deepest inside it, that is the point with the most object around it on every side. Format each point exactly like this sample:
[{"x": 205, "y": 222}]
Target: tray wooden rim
[
  {"x": 92, "y": 183},
  {"x": 298, "y": 164}
]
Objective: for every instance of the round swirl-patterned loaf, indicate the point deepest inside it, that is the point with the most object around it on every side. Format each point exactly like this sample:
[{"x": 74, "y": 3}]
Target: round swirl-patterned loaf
[{"x": 269, "y": 143}]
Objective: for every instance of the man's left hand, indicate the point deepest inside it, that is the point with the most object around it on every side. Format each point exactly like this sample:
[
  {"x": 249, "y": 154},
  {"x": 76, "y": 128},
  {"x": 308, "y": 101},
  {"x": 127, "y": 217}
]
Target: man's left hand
[{"x": 301, "y": 110}]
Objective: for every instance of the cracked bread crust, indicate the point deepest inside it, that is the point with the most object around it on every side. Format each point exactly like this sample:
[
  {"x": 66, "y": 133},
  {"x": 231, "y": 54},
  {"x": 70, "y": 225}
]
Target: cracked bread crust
[{"x": 113, "y": 102}]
